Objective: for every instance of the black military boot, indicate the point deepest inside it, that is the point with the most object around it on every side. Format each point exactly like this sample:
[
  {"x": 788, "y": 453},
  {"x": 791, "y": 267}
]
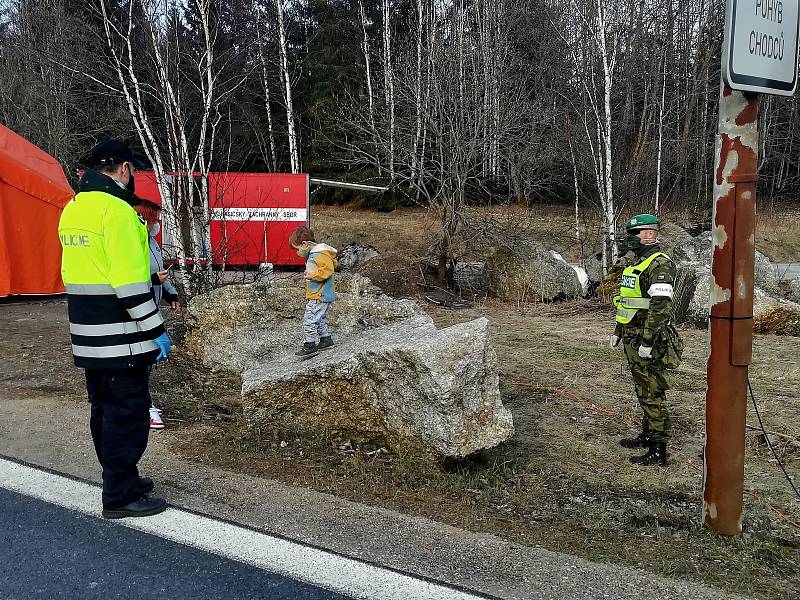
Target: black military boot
[
  {"x": 656, "y": 455},
  {"x": 325, "y": 343},
  {"x": 640, "y": 441}
]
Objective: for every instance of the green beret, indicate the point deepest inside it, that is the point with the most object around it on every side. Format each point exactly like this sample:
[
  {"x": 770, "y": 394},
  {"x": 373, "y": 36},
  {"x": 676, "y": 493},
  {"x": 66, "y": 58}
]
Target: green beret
[{"x": 643, "y": 221}]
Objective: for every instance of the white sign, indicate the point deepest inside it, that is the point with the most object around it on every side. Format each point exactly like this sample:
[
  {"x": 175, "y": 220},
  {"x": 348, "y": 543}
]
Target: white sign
[
  {"x": 259, "y": 214},
  {"x": 759, "y": 53}
]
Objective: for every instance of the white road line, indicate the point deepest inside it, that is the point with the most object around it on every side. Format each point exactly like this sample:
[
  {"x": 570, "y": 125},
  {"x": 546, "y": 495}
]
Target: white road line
[{"x": 317, "y": 567}]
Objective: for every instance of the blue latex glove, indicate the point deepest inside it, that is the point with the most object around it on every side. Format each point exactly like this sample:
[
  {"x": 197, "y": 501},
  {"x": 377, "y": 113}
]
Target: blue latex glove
[{"x": 165, "y": 345}]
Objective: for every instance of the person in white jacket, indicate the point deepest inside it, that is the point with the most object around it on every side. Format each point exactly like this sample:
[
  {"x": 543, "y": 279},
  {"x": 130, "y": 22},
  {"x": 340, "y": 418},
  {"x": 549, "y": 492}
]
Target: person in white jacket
[{"x": 163, "y": 289}]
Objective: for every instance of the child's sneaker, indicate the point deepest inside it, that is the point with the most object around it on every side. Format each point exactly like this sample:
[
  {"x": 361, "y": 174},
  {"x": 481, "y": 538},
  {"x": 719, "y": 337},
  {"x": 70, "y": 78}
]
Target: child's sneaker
[
  {"x": 308, "y": 350},
  {"x": 156, "y": 422},
  {"x": 325, "y": 343}
]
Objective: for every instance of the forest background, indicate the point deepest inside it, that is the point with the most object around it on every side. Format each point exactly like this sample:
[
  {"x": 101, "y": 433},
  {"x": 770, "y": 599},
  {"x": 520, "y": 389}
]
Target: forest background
[{"x": 607, "y": 105}]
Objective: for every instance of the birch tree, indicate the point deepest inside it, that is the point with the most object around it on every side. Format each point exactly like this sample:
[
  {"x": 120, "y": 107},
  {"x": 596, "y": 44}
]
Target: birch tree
[
  {"x": 388, "y": 83},
  {"x": 283, "y": 52}
]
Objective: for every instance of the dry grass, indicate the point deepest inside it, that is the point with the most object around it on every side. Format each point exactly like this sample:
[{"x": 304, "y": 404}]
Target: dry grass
[
  {"x": 778, "y": 235},
  {"x": 780, "y": 321},
  {"x": 402, "y": 236},
  {"x": 562, "y": 482},
  {"x": 408, "y": 232}
]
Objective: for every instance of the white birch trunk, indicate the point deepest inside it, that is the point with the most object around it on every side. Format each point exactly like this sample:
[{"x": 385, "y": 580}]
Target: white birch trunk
[
  {"x": 418, "y": 90},
  {"x": 132, "y": 93},
  {"x": 367, "y": 63},
  {"x": 388, "y": 79},
  {"x": 207, "y": 79},
  {"x": 577, "y": 196},
  {"x": 660, "y": 132},
  {"x": 608, "y": 80},
  {"x": 267, "y": 95},
  {"x": 294, "y": 152}
]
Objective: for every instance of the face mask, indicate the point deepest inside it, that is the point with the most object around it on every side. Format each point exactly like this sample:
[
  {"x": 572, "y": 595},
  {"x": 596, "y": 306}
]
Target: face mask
[
  {"x": 155, "y": 229},
  {"x": 131, "y": 183},
  {"x": 634, "y": 244},
  {"x": 303, "y": 252}
]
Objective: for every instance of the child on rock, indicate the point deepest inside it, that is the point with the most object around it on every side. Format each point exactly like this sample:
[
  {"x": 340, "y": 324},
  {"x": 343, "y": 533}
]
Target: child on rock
[{"x": 320, "y": 266}]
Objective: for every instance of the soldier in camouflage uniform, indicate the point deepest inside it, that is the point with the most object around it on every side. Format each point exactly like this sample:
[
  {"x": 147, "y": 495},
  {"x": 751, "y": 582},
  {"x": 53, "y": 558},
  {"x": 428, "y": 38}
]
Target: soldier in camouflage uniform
[{"x": 650, "y": 342}]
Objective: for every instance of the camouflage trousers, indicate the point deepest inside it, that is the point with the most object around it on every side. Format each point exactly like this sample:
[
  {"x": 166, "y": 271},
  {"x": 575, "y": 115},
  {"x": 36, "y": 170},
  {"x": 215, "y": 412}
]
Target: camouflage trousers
[{"x": 651, "y": 381}]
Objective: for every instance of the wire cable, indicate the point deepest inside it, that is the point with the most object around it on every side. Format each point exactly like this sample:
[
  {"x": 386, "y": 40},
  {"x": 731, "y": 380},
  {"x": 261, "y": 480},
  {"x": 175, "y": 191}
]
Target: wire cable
[{"x": 769, "y": 442}]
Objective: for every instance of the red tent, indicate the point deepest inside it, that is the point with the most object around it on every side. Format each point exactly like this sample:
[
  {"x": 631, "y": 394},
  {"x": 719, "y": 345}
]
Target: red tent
[{"x": 33, "y": 190}]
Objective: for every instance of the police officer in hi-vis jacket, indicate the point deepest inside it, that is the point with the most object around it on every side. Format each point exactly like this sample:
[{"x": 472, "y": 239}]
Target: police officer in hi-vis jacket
[
  {"x": 651, "y": 343},
  {"x": 116, "y": 329}
]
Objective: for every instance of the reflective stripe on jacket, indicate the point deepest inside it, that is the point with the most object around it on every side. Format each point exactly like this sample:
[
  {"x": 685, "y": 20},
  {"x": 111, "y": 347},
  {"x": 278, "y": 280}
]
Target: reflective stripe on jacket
[
  {"x": 631, "y": 299},
  {"x": 105, "y": 264}
]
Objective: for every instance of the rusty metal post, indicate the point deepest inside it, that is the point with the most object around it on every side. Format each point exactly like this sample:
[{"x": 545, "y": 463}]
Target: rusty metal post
[{"x": 731, "y": 309}]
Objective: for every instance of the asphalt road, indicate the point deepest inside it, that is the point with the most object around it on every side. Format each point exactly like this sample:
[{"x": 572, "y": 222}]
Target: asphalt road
[{"x": 51, "y": 552}]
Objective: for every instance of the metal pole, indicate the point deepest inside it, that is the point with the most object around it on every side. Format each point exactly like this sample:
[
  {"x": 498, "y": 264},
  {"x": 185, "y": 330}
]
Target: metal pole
[
  {"x": 349, "y": 186},
  {"x": 731, "y": 309}
]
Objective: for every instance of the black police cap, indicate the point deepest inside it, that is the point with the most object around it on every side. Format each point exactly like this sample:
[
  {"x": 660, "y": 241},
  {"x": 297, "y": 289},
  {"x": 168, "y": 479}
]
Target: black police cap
[{"x": 114, "y": 152}]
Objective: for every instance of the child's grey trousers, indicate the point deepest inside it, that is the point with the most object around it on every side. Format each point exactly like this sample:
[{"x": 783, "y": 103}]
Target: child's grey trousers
[{"x": 315, "y": 320}]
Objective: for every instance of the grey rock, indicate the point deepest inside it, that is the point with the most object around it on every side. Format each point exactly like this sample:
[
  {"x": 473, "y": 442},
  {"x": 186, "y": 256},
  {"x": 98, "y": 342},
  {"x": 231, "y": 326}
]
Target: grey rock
[
  {"x": 593, "y": 264},
  {"x": 471, "y": 278},
  {"x": 528, "y": 271},
  {"x": 682, "y": 247},
  {"x": 766, "y": 276},
  {"x": 787, "y": 271},
  {"x": 405, "y": 386},
  {"x": 354, "y": 255},
  {"x": 392, "y": 379},
  {"x": 234, "y": 326},
  {"x": 794, "y": 290},
  {"x": 692, "y": 294}
]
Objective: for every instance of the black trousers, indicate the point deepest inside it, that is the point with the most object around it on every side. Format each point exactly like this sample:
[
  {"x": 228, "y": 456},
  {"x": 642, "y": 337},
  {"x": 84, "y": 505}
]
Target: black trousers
[{"x": 120, "y": 424}]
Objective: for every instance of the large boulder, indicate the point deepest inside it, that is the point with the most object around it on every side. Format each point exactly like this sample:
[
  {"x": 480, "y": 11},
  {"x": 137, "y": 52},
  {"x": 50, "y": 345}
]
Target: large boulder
[
  {"x": 683, "y": 248},
  {"x": 692, "y": 294},
  {"x": 355, "y": 255},
  {"x": 405, "y": 386},
  {"x": 392, "y": 378},
  {"x": 528, "y": 271}
]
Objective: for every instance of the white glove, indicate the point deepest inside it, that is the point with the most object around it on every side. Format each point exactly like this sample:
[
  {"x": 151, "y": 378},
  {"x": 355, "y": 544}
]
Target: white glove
[
  {"x": 614, "y": 340},
  {"x": 646, "y": 352}
]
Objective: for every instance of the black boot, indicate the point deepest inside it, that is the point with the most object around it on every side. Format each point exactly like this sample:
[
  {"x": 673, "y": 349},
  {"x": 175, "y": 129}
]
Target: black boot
[
  {"x": 146, "y": 485},
  {"x": 656, "y": 455},
  {"x": 144, "y": 507},
  {"x": 325, "y": 343},
  {"x": 640, "y": 441},
  {"x": 308, "y": 350}
]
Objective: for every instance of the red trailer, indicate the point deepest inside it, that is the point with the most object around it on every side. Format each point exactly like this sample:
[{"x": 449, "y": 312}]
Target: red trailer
[{"x": 252, "y": 215}]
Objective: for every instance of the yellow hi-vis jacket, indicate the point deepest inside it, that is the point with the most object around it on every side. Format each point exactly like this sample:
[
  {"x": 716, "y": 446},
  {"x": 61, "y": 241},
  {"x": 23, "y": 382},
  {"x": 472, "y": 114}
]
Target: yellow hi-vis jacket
[
  {"x": 113, "y": 320},
  {"x": 630, "y": 299}
]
